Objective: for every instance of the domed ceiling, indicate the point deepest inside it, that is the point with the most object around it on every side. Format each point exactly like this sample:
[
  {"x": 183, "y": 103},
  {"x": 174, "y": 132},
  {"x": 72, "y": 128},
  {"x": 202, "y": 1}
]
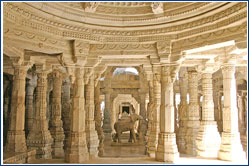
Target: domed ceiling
[{"x": 126, "y": 13}]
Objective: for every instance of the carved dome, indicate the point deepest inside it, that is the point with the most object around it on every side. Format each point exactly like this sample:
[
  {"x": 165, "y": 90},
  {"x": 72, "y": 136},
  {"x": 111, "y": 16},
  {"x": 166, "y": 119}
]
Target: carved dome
[{"x": 126, "y": 13}]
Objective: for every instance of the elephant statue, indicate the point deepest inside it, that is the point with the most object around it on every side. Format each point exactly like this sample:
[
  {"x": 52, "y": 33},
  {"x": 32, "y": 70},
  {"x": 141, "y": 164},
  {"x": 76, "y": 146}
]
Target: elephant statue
[{"x": 126, "y": 124}]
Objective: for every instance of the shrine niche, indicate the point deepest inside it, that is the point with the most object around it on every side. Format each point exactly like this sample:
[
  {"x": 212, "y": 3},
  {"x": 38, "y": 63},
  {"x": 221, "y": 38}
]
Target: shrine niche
[{"x": 157, "y": 80}]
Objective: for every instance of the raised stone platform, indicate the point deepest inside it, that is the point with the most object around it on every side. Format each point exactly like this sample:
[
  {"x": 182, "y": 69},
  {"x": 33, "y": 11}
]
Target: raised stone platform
[{"x": 19, "y": 158}]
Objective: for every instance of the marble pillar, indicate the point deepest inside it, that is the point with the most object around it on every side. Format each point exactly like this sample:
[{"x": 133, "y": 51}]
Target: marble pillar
[
  {"x": 183, "y": 112},
  {"x": 240, "y": 103},
  {"x": 220, "y": 107},
  {"x": 56, "y": 124},
  {"x": 66, "y": 109},
  {"x": 143, "y": 113},
  {"x": 150, "y": 111},
  {"x": 39, "y": 137},
  {"x": 231, "y": 148},
  {"x": 98, "y": 118},
  {"x": 77, "y": 151},
  {"x": 155, "y": 128},
  {"x": 193, "y": 117},
  {"x": 6, "y": 109},
  {"x": 107, "y": 112},
  {"x": 244, "y": 137},
  {"x": 176, "y": 113},
  {"x": 16, "y": 136},
  {"x": 91, "y": 133},
  {"x": 167, "y": 149},
  {"x": 208, "y": 139},
  {"x": 30, "y": 87}
]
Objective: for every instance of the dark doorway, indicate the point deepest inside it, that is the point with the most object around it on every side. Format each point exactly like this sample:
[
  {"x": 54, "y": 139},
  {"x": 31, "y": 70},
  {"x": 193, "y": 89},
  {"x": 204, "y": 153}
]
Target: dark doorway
[{"x": 126, "y": 109}]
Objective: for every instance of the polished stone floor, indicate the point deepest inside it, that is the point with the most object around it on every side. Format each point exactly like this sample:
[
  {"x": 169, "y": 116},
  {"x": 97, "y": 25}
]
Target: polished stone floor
[{"x": 136, "y": 155}]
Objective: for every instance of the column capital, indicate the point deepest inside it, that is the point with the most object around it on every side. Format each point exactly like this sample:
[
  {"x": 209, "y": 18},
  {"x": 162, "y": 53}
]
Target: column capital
[
  {"x": 228, "y": 68},
  {"x": 88, "y": 74}
]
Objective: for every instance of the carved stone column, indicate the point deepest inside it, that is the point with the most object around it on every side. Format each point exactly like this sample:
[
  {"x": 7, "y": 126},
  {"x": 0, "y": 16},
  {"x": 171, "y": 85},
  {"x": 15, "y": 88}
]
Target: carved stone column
[
  {"x": 150, "y": 111},
  {"x": 216, "y": 99},
  {"x": 107, "y": 113},
  {"x": 142, "y": 112},
  {"x": 6, "y": 109},
  {"x": 241, "y": 116},
  {"x": 91, "y": 133},
  {"x": 155, "y": 128},
  {"x": 16, "y": 136},
  {"x": 167, "y": 148},
  {"x": 98, "y": 119},
  {"x": 193, "y": 122},
  {"x": 231, "y": 148},
  {"x": 220, "y": 106},
  {"x": 208, "y": 140},
  {"x": 56, "y": 124},
  {"x": 175, "y": 114},
  {"x": 39, "y": 137},
  {"x": 29, "y": 105},
  {"x": 183, "y": 112},
  {"x": 244, "y": 135},
  {"x": 66, "y": 109},
  {"x": 77, "y": 151}
]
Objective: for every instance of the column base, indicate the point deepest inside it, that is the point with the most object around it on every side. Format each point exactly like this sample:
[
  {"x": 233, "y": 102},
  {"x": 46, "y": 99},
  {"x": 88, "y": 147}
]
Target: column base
[
  {"x": 244, "y": 142},
  {"x": 77, "y": 149},
  {"x": 180, "y": 139},
  {"x": 58, "y": 135},
  {"x": 208, "y": 140},
  {"x": 231, "y": 148},
  {"x": 101, "y": 150},
  {"x": 58, "y": 153},
  {"x": 93, "y": 143},
  {"x": 167, "y": 149},
  {"x": 152, "y": 144},
  {"x": 41, "y": 141},
  {"x": 77, "y": 158},
  {"x": 107, "y": 128},
  {"x": 16, "y": 141},
  {"x": 190, "y": 137}
]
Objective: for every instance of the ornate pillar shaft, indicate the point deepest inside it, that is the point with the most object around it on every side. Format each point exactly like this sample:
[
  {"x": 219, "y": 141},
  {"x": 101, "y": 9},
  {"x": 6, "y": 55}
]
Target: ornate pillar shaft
[
  {"x": 208, "y": 140},
  {"x": 167, "y": 148},
  {"x": 155, "y": 128},
  {"x": 66, "y": 109},
  {"x": 183, "y": 111},
  {"x": 91, "y": 133},
  {"x": 56, "y": 124},
  {"x": 220, "y": 121},
  {"x": 107, "y": 112},
  {"x": 16, "y": 136},
  {"x": 241, "y": 114},
  {"x": 29, "y": 106},
  {"x": 231, "y": 148},
  {"x": 193, "y": 122},
  {"x": 77, "y": 148},
  {"x": 98, "y": 119},
  {"x": 150, "y": 110},
  {"x": 39, "y": 137},
  {"x": 244, "y": 135},
  {"x": 142, "y": 124},
  {"x": 6, "y": 110},
  {"x": 175, "y": 114}
]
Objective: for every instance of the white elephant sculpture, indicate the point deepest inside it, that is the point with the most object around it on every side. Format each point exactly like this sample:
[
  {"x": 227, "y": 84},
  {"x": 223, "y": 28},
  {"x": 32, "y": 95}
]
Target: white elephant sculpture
[{"x": 127, "y": 124}]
